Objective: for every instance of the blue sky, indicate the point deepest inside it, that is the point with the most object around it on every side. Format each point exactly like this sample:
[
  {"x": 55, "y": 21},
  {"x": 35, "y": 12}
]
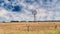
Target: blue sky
[{"x": 21, "y": 10}]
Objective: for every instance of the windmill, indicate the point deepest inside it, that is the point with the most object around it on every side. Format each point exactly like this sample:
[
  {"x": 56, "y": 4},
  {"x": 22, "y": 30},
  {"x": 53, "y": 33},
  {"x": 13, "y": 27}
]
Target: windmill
[{"x": 34, "y": 12}]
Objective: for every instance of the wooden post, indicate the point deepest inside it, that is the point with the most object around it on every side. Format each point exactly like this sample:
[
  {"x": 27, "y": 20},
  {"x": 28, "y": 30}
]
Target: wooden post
[{"x": 28, "y": 28}]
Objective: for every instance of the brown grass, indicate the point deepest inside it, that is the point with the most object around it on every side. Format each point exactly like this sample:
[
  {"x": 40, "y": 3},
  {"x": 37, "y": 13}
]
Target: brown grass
[{"x": 29, "y": 26}]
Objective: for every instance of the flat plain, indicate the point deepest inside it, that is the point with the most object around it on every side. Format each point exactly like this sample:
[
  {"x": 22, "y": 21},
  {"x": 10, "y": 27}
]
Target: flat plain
[{"x": 30, "y": 28}]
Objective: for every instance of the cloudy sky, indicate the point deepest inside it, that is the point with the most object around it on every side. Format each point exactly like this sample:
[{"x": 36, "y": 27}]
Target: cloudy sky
[{"x": 21, "y": 10}]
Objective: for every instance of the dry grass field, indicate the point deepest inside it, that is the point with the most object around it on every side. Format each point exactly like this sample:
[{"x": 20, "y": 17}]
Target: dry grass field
[{"x": 30, "y": 28}]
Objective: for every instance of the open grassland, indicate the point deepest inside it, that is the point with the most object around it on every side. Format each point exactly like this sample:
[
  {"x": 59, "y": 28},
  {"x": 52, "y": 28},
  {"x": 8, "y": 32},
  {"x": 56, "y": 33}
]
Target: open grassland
[
  {"x": 30, "y": 28},
  {"x": 32, "y": 32}
]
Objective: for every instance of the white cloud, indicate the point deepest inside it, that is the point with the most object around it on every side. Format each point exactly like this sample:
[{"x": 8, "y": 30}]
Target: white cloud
[
  {"x": 3, "y": 12},
  {"x": 26, "y": 14}
]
